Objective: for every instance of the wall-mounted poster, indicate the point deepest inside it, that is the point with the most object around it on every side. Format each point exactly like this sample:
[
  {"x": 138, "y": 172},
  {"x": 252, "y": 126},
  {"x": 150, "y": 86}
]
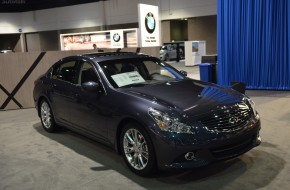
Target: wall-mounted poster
[
  {"x": 195, "y": 47},
  {"x": 117, "y": 38},
  {"x": 148, "y": 25},
  {"x": 99, "y": 39},
  {"x": 130, "y": 38},
  {"x": 81, "y": 41}
]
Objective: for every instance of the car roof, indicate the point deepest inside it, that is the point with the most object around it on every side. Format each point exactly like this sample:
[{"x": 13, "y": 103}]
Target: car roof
[{"x": 107, "y": 56}]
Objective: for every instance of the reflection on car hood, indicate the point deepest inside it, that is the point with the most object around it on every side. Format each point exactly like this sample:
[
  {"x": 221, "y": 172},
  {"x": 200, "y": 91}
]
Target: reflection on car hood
[{"x": 188, "y": 96}]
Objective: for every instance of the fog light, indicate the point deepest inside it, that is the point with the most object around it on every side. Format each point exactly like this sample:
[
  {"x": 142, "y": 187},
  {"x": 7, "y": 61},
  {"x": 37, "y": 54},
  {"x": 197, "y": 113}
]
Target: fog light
[
  {"x": 259, "y": 140},
  {"x": 189, "y": 156}
]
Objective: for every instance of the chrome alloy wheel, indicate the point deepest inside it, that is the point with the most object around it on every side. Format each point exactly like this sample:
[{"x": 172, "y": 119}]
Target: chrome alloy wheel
[
  {"x": 135, "y": 149},
  {"x": 46, "y": 116}
]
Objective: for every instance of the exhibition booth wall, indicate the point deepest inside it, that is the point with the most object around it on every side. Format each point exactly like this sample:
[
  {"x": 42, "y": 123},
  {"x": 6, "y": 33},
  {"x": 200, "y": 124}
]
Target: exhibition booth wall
[
  {"x": 18, "y": 71},
  {"x": 103, "y": 13},
  {"x": 40, "y": 29},
  {"x": 254, "y": 43}
]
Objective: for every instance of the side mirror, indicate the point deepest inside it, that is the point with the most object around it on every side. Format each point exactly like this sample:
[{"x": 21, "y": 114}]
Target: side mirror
[
  {"x": 184, "y": 73},
  {"x": 91, "y": 87},
  {"x": 239, "y": 86}
]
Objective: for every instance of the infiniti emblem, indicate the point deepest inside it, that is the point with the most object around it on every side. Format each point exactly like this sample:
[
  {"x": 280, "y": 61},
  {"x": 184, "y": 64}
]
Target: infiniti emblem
[{"x": 234, "y": 120}]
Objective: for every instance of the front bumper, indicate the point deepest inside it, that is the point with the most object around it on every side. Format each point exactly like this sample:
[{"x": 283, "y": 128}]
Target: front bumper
[{"x": 171, "y": 152}]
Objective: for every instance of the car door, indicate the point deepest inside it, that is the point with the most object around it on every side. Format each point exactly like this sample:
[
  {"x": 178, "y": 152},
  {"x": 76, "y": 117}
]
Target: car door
[
  {"x": 172, "y": 53},
  {"x": 90, "y": 112},
  {"x": 63, "y": 89}
]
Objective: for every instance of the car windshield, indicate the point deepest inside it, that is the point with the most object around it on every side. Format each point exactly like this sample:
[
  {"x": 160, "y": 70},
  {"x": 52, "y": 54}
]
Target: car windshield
[{"x": 138, "y": 72}]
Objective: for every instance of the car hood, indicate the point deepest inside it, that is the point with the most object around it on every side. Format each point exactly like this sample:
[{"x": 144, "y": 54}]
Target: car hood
[{"x": 188, "y": 96}]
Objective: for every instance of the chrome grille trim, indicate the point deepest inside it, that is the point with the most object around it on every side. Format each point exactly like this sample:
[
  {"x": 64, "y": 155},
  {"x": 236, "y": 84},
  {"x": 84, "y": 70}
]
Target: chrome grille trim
[{"x": 228, "y": 118}]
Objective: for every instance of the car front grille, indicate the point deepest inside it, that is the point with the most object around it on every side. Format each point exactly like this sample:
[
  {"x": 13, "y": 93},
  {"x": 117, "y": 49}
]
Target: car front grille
[{"x": 227, "y": 118}]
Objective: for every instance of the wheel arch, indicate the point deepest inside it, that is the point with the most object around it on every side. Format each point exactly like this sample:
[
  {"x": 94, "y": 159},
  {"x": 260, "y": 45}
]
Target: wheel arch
[
  {"x": 122, "y": 124},
  {"x": 40, "y": 99}
]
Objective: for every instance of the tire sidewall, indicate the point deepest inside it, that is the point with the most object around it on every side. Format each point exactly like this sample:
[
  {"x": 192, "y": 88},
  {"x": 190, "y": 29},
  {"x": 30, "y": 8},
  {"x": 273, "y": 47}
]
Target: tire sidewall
[
  {"x": 166, "y": 58},
  {"x": 53, "y": 127}
]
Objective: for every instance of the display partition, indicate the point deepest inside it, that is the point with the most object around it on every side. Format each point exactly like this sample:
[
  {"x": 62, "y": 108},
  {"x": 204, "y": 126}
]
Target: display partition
[
  {"x": 123, "y": 38},
  {"x": 19, "y": 71},
  {"x": 194, "y": 50},
  {"x": 149, "y": 25}
]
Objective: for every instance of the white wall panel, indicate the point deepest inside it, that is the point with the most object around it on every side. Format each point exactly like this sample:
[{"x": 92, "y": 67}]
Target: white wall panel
[
  {"x": 77, "y": 16},
  {"x": 9, "y": 23},
  {"x": 174, "y": 9},
  {"x": 100, "y": 13},
  {"x": 124, "y": 11}
]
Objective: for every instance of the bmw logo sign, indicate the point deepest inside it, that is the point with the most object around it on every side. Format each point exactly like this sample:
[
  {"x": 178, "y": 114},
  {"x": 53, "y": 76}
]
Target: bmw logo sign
[
  {"x": 150, "y": 23},
  {"x": 116, "y": 37}
]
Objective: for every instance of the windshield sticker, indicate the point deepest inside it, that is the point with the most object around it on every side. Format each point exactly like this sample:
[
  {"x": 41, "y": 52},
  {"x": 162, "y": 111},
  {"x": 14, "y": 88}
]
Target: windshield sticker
[{"x": 124, "y": 79}]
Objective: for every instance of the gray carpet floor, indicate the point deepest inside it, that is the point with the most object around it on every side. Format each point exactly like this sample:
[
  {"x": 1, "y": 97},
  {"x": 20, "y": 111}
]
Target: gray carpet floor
[{"x": 30, "y": 158}]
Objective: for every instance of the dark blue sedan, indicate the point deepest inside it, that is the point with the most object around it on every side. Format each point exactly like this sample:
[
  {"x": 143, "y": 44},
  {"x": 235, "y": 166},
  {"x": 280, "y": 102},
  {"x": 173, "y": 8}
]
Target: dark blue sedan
[{"x": 148, "y": 111}]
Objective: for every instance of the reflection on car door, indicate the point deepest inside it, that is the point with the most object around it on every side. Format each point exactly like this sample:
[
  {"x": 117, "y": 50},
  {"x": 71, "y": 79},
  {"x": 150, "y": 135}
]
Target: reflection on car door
[
  {"x": 63, "y": 85},
  {"x": 90, "y": 112}
]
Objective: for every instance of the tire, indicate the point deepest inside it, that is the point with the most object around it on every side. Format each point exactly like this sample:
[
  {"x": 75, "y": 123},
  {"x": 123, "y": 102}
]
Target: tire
[
  {"x": 46, "y": 117},
  {"x": 181, "y": 54},
  {"x": 137, "y": 150},
  {"x": 166, "y": 57}
]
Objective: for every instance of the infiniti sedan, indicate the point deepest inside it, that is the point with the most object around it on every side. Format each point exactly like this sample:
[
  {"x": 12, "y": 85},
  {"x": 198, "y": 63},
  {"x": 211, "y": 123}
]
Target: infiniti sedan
[{"x": 150, "y": 113}]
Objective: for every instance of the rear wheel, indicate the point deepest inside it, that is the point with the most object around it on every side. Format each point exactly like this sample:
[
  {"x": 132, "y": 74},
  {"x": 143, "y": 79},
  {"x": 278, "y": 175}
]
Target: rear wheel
[
  {"x": 46, "y": 117},
  {"x": 137, "y": 150}
]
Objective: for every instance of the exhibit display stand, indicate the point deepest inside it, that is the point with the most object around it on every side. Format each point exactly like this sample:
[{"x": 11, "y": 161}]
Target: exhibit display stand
[{"x": 194, "y": 50}]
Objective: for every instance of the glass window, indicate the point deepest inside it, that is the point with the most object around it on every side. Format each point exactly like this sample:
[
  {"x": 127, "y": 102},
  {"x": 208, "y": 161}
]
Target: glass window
[
  {"x": 87, "y": 73},
  {"x": 138, "y": 72},
  {"x": 65, "y": 71}
]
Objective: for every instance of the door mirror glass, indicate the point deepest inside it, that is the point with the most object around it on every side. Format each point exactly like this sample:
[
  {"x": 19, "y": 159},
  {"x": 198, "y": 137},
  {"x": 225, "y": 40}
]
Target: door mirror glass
[{"x": 91, "y": 86}]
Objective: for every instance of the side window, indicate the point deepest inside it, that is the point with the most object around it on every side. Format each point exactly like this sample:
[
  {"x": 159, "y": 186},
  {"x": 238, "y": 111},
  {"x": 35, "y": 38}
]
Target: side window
[
  {"x": 152, "y": 67},
  {"x": 65, "y": 71},
  {"x": 174, "y": 46},
  {"x": 87, "y": 73}
]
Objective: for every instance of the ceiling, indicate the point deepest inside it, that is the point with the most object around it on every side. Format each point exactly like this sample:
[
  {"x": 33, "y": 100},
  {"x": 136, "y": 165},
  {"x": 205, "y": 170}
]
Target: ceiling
[{"x": 10, "y": 6}]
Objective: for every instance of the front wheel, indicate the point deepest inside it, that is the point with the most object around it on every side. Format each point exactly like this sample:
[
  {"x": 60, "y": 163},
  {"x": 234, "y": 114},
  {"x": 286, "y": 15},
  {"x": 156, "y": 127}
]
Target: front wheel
[
  {"x": 46, "y": 117},
  {"x": 166, "y": 57},
  {"x": 137, "y": 150}
]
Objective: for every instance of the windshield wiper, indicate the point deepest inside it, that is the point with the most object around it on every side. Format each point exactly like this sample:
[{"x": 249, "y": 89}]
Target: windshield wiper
[{"x": 134, "y": 85}]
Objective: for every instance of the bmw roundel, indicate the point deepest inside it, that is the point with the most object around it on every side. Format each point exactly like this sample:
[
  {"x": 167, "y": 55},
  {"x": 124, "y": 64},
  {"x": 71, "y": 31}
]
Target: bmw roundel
[
  {"x": 150, "y": 23},
  {"x": 116, "y": 37}
]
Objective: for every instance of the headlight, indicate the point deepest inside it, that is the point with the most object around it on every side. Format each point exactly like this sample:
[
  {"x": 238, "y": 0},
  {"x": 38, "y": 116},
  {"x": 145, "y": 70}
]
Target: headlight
[
  {"x": 170, "y": 124},
  {"x": 252, "y": 104}
]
